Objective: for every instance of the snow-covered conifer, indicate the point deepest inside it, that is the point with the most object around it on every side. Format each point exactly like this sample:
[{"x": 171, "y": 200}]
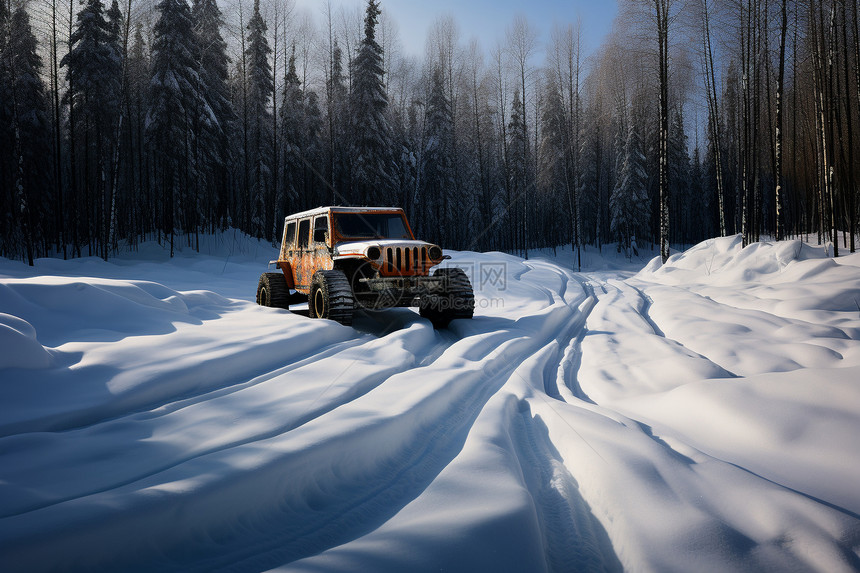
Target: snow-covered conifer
[
  {"x": 260, "y": 92},
  {"x": 370, "y": 132},
  {"x": 292, "y": 120},
  {"x": 628, "y": 203},
  {"x": 174, "y": 95},
  {"x": 437, "y": 176},
  {"x": 214, "y": 131},
  {"x": 30, "y": 133}
]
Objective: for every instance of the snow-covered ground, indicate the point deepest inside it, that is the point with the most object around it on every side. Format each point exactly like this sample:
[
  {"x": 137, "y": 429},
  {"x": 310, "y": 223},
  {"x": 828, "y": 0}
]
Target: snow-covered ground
[{"x": 698, "y": 416}]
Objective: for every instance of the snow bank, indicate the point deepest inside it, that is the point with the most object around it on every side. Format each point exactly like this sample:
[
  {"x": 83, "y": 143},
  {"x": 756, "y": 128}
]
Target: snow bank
[
  {"x": 700, "y": 415},
  {"x": 19, "y": 344}
]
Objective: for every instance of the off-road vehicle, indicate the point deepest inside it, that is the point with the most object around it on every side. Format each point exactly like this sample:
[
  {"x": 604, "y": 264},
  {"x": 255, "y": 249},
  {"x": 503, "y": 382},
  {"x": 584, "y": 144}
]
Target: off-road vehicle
[{"x": 346, "y": 258}]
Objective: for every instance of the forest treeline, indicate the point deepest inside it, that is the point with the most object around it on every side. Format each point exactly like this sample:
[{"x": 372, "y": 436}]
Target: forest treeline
[{"x": 693, "y": 119}]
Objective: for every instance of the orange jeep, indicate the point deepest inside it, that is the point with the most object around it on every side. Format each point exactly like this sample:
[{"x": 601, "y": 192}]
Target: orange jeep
[{"x": 344, "y": 258}]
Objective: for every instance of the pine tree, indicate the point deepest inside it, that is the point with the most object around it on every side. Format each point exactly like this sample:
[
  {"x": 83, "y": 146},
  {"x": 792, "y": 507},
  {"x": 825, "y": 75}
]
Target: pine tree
[
  {"x": 337, "y": 117},
  {"x": 589, "y": 182},
  {"x": 518, "y": 152},
  {"x": 437, "y": 170},
  {"x": 316, "y": 191},
  {"x": 370, "y": 135},
  {"x": 114, "y": 23},
  {"x": 260, "y": 92},
  {"x": 628, "y": 203},
  {"x": 292, "y": 120},
  {"x": 138, "y": 77},
  {"x": 213, "y": 146},
  {"x": 700, "y": 200},
  {"x": 679, "y": 180},
  {"x": 554, "y": 153},
  {"x": 94, "y": 71},
  {"x": 170, "y": 120},
  {"x": 8, "y": 243},
  {"x": 31, "y": 132}
]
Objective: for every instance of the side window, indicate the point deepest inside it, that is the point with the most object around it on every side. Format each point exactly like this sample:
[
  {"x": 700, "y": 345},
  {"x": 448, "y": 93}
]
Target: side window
[
  {"x": 304, "y": 233},
  {"x": 320, "y": 229},
  {"x": 290, "y": 234}
]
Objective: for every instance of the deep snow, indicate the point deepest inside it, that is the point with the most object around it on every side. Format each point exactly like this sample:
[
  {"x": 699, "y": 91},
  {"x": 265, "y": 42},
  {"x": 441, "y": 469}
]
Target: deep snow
[{"x": 699, "y": 415}]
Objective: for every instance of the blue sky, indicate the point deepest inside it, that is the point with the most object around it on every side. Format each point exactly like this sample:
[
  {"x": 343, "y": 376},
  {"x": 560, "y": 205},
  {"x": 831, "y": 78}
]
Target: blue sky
[{"x": 488, "y": 19}]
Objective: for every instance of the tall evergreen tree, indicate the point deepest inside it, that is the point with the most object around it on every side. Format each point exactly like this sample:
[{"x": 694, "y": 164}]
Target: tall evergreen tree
[
  {"x": 8, "y": 244},
  {"x": 260, "y": 91},
  {"x": 679, "y": 180},
  {"x": 94, "y": 70},
  {"x": 31, "y": 135},
  {"x": 337, "y": 116},
  {"x": 292, "y": 120},
  {"x": 628, "y": 203},
  {"x": 213, "y": 147},
  {"x": 518, "y": 152},
  {"x": 174, "y": 95},
  {"x": 437, "y": 169},
  {"x": 370, "y": 135},
  {"x": 140, "y": 204},
  {"x": 554, "y": 176}
]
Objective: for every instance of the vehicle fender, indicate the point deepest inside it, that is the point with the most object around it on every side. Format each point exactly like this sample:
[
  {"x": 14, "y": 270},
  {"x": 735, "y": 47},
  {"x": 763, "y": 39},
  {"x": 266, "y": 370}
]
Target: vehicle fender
[{"x": 288, "y": 273}]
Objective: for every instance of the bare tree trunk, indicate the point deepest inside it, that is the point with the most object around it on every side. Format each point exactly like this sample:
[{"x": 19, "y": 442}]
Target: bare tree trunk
[
  {"x": 662, "y": 9},
  {"x": 780, "y": 86},
  {"x": 853, "y": 191},
  {"x": 820, "y": 119},
  {"x": 73, "y": 177},
  {"x": 755, "y": 155},
  {"x": 276, "y": 178},
  {"x": 833, "y": 120},
  {"x": 248, "y": 203},
  {"x": 710, "y": 81},
  {"x": 58, "y": 148},
  {"x": 576, "y": 144},
  {"x": 746, "y": 49},
  {"x": 330, "y": 103},
  {"x": 110, "y": 235}
]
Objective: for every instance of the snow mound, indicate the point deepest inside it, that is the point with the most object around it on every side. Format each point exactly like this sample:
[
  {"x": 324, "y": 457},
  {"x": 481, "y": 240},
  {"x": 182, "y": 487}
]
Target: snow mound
[
  {"x": 725, "y": 260},
  {"x": 800, "y": 276},
  {"x": 19, "y": 344},
  {"x": 60, "y": 308}
]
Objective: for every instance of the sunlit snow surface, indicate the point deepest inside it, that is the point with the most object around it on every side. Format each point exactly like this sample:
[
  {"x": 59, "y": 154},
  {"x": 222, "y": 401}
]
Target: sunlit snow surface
[{"x": 703, "y": 415}]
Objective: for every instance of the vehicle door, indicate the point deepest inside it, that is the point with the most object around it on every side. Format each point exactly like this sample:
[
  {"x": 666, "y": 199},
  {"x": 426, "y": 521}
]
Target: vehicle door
[
  {"x": 288, "y": 251},
  {"x": 303, "y": 256},
  {"x": 320, "y": 244}
]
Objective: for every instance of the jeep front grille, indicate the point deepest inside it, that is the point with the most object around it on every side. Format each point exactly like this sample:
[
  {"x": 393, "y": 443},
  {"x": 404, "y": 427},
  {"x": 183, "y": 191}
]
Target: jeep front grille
[{"x": 404, "y": 261}]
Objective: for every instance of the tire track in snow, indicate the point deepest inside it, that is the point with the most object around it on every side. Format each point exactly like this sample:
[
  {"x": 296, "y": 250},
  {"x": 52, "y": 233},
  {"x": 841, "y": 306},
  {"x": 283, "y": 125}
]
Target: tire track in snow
[
  {"x": 444, "y": 436},
  {"x": 111, "y": 470},
  {"x": 575, "y": 540},
  {"x": 568, "y": 369},
  {"x": 646, "y": 314},
  {"x": 337, "y": 501}
]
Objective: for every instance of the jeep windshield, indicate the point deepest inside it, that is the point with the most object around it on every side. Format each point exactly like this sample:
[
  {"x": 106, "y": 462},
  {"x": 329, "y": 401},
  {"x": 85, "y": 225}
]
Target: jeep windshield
[{"x": 371, "y": 226}]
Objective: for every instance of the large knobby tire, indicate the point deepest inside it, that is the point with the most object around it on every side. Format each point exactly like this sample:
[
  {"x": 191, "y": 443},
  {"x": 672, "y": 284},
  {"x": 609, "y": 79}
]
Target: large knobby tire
[
  {"x": 457, "y": 299},
  {"x": 272, "y": 290},
  {"x": 331, "y": 297}
]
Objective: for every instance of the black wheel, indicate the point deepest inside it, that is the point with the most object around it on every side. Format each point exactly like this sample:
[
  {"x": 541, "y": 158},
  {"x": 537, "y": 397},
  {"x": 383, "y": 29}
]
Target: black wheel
[
  {"x": 331, "y": 297},
  {"x": 272, "y": 291},
  {"x": 457, "y": 300}
]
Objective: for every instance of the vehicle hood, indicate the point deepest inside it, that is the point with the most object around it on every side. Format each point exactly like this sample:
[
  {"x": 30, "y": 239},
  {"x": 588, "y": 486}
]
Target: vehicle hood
[{"x": 358, "y": 247}]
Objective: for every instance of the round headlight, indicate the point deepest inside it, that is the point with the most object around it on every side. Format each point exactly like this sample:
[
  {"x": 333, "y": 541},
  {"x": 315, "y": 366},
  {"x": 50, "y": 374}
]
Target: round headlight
[
  {"x": 435, "y": 253},
  {"x": 373, "y": 253}
]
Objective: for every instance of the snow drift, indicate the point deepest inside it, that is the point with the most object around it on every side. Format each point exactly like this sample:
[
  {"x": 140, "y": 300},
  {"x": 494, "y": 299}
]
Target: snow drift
[{"x": 698, "y": 415}]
